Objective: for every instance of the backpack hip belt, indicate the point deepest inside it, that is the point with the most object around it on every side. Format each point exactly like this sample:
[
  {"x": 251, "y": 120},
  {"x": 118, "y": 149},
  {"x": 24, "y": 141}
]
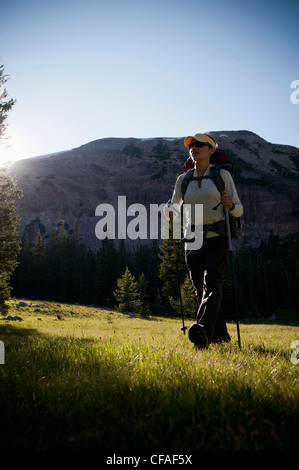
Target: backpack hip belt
[{"x": 217, "y": 227}]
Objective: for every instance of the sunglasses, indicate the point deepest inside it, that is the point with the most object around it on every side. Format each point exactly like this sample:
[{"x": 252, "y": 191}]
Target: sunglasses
[{"x": 197, "y": 144}]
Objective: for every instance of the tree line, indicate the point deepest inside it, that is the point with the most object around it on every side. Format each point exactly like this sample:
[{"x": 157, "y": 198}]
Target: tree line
[{"x": 143, "y": 280}]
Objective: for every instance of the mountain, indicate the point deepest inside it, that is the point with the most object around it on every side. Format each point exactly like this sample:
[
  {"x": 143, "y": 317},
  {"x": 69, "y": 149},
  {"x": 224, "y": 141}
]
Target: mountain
[{"x": 68, "y": 186}]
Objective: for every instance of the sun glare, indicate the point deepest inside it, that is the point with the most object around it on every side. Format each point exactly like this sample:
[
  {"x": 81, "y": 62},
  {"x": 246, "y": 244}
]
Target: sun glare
[{"x": 17, "y": 146}]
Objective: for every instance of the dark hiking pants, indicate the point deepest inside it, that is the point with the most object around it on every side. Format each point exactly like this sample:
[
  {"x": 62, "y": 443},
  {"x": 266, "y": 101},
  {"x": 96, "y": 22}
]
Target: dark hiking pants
[{"x": 206, "y": 268}]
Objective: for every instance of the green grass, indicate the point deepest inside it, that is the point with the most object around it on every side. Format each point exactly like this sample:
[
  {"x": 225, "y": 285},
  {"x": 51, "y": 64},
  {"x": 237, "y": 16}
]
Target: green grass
[{"x": 98, "y": 379}]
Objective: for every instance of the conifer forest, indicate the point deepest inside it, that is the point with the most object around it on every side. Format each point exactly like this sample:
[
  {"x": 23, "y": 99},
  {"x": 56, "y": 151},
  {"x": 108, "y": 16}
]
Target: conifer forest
[{"x": 143, "y": 280}]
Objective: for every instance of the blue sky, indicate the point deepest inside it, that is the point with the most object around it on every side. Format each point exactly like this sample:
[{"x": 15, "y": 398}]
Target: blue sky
[{"x": 85, "y": 70}]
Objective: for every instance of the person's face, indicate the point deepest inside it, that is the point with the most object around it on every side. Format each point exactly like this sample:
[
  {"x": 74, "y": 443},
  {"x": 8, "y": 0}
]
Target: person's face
[{"x": 200, "y": 150}]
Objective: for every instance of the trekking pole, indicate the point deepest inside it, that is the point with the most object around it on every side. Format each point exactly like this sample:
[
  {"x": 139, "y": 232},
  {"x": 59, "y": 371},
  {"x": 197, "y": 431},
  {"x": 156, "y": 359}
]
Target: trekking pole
[
  {"x": 184, "y": 328},
  {"x": 232, "y": 270}
]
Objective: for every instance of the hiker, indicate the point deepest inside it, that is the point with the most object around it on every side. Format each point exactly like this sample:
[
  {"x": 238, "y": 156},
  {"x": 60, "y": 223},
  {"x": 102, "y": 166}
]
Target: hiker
[{"x": 206, "y": 265}]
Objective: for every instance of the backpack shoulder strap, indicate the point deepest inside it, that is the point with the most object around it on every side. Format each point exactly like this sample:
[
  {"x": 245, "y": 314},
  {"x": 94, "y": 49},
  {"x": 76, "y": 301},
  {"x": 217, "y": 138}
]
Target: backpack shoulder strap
[
  {"x": 217, "y": 178},
  {"x": 186, "y": 180},
  {"x": 214, "y": 174}
]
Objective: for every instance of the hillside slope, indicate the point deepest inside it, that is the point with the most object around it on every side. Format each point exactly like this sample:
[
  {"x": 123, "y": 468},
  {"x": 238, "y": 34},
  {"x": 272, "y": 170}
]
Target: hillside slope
[{"x": 68, "y": 186}]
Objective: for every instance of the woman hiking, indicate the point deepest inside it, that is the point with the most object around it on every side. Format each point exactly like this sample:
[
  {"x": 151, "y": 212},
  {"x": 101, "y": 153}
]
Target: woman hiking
[{"x": 206, "y": 265}]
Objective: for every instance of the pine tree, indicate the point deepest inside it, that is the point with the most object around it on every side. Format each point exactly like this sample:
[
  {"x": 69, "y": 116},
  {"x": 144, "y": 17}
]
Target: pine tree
[
  {"x": 146, "y": 262},
  {"x": 189, "y": 302},
  {"x": 9, "y": 244},
  {"x": 38, "y": 269},
  {"x": 167, "y": 271},
  {"x": 143, "y": 291},
  {"x": 127, "y": 294},
  {"x": 5, "y": 105},
  {"x": 107, "y": 272},
  {"x": 59, "y": 262},
  {"x": 76, "y": 254},
  {"x": 21, "y": 279}
]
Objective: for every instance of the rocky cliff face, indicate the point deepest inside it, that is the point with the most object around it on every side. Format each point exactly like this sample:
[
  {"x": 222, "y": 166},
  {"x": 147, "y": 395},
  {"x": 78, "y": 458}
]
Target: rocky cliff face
[{"x": 70, "y": 185}]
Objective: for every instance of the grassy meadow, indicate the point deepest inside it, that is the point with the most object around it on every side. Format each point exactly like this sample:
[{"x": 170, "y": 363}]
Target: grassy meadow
[{"x": 83, "y": 378}]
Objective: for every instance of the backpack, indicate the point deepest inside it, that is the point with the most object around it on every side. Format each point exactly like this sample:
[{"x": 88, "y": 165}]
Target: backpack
[{"x": 221, "y": 161}]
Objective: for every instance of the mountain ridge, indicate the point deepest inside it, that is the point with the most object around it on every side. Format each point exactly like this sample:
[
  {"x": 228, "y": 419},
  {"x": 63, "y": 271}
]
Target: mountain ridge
[{"x": 69, "y": 185}]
